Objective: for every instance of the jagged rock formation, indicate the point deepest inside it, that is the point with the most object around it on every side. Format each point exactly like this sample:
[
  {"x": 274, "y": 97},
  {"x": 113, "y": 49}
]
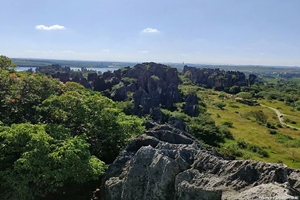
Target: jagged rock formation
[
  {"x": 217, "y": 78},
  {"x": 169, "y": 164},
  {"x": 191, "y": 105},
  {"x": 153, "y": 85}
]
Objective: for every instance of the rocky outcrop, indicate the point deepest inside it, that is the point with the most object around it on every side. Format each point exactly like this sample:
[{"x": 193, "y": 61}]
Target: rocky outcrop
[
  {"x": 152, "y": 85},
  {"x": 160, "y": 82},
  {"x": 216, "y": 78},
  {"x": 169, "y": 164},
  {"x": 191, "y": 105}
]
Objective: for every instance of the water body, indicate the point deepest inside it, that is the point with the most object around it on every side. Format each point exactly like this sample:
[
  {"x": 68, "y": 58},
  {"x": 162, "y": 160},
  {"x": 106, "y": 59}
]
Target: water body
[{"x": 104, "y": 69}]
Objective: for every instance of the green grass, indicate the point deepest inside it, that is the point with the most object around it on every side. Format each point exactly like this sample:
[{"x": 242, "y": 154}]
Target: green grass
[{"x": 253, "y": 133}]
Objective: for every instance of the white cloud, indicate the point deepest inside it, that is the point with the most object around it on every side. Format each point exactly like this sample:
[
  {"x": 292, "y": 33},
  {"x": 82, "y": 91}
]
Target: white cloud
[
  {"x": 105, "y": 50},
  {"x": 150, "y": 30},
  {"x": 143, "y": 51},
  {"x": 49, "y": 28}
]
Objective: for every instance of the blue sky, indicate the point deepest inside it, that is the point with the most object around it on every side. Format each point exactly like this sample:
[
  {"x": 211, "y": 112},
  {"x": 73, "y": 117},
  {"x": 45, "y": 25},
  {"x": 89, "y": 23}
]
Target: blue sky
[{"x": 265, "y": 32}]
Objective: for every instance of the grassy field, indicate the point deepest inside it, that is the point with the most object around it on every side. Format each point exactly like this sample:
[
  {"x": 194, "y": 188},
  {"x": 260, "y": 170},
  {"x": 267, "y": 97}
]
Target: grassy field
[
  {"x": 291, "y": 116},
  {"x": 281, "y": 143}
]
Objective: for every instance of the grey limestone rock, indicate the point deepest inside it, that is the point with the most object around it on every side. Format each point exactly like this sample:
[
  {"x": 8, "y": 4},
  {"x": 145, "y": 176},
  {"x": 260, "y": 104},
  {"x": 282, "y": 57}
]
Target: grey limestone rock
[{"x": 166, "y": 163}]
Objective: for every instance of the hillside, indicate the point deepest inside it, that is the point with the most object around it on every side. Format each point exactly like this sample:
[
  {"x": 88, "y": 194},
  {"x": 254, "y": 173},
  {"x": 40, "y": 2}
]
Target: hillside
[{"x": 50, "y": 124}]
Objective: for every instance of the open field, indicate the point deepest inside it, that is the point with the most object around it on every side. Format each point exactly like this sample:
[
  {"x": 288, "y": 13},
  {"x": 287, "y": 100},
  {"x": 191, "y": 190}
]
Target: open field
[{"x": 281, "y": 143}]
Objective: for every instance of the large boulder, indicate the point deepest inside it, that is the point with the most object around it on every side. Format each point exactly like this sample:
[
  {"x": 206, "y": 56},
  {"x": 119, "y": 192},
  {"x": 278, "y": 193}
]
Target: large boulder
[
  {"x": 166, "y": 163},
  {"x": 191, "y": 106}
]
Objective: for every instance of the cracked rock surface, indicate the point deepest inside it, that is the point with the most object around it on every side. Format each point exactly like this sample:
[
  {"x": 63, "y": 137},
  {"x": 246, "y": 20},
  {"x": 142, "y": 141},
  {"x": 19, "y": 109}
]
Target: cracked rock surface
[{"x": 166, "y": 163}]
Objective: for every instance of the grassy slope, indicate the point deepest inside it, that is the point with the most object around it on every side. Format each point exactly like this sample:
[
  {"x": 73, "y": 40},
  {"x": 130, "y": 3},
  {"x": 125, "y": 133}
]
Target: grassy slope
[
  {"x": 290, "y": 114},
  {"x": 250, "y": 131}
]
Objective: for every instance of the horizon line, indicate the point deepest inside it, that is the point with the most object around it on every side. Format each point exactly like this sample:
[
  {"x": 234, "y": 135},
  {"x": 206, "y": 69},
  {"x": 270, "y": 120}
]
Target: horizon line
[{"x": 183, "y": 63}]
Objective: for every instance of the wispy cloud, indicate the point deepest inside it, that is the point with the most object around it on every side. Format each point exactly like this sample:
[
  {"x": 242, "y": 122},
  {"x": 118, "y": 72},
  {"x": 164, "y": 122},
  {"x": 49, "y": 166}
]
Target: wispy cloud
[
  {"x": 49, "y": 28},
  {"x": 143, "y": 51},
  {"x": 150, "y": 30}
]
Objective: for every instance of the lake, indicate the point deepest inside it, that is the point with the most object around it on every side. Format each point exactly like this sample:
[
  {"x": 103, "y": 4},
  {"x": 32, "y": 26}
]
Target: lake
[{"x": 104, "y": 69}]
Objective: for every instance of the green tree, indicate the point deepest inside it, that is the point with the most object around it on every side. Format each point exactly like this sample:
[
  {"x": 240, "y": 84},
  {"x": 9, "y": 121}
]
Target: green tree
[
  {"x": 6, "y": 63},
  {"x": 20, "y": 92},
  {"x": 244, "y": 95},
  {"x": 35, "y": 163},
  {"x": 219, "y": 104},
  {"x": 203, "y": 128},
  {"x": 84, "y": 112},
  {"x": 234, "y": 89}
]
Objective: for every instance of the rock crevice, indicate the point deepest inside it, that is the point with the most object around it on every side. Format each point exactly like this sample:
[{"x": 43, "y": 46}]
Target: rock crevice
[{"x": 167, "y": 163}]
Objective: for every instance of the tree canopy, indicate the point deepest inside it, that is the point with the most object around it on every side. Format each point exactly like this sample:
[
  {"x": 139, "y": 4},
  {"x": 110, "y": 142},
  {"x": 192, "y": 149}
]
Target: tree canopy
[
  {"x": 55, "y": 135},
  {"x": 6, "y": 63}
]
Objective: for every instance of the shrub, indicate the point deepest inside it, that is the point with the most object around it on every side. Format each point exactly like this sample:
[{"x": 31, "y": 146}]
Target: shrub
[
  {"x": 228, "y": 124},
  {"x": 272, "y": 132},
  {"x": 219, "y": 104},
  {"x": 258, "y": 150},
  {"x": 230, "y": 151},
  {"x": 242, "y": 144},
  {"x": 282, "y": 138},
  {"x": 248, "y": 102},
  {"x": 270, "y": 125},
  {"x": 259, "y": 116},
  {"x": 244, "y": 95}
]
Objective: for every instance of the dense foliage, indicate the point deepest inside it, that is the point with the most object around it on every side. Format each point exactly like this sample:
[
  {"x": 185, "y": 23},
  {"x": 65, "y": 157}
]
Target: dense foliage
[
  {"x": 55, "y": 135},
  {"x": 6, "y": 63},
  {"x": 36, "y": 161}
]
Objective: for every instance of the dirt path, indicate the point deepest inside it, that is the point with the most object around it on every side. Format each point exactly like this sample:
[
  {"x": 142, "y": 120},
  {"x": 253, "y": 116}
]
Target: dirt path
[{"x": 280, "y": 116}]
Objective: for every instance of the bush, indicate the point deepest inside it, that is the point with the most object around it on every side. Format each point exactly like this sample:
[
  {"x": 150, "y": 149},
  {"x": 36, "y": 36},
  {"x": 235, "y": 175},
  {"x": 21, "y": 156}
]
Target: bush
[
  {"x": 270, "y": 125},
  {"x": 259, "y": 116},
  {"x": 272, "y": 132},
  {"x": 248, "y": 102},
  {"x": 282, "y": 138},
  {"x": 230, "y": 151},
  {"x": 258, "y": 150},
  {"x": 222, "y": 95},
  {"x": 226, "y": 132},
  {"x": 228, "y": 124},
  {"x": 203, "y": 128},
  {"x": 244, "y": 95},
  {"x": 242, "y": 144},
  {"x": 219, "y": 104},
  {"x": 234, "y": 89}
]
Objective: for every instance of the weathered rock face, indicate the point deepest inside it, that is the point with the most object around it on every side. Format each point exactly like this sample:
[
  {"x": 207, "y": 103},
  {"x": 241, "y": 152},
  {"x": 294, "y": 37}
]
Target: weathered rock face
[
  {"x": 168, "y": 164},
  {"x": 153, "y": 85},
  {"x": 217, "y": 78},
  {"x": 191, "y": 105}
]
